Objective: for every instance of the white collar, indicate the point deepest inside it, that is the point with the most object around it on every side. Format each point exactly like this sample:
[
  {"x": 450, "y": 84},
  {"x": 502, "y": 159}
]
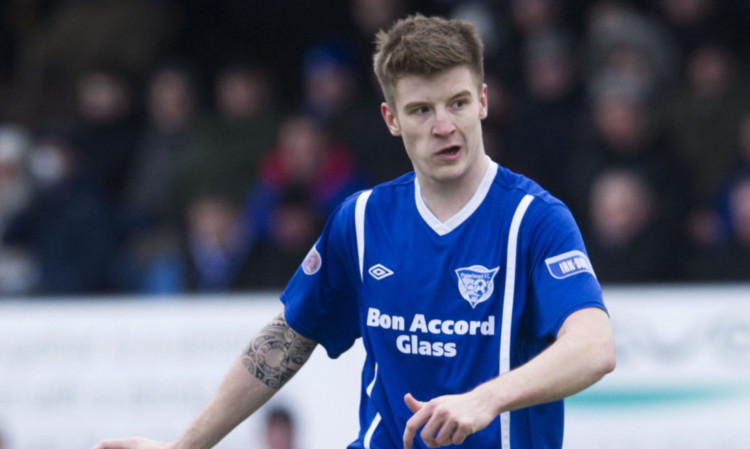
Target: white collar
[{"x": 443, "y": 228}]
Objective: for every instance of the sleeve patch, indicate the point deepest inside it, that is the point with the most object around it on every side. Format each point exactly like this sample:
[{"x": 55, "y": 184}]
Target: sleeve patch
[
  {"x": 312, "y": 262},
  {"x": 569, "y": 264}
]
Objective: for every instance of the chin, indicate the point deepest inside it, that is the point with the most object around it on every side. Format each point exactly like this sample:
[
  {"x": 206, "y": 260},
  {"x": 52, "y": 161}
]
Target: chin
[{"x": 449, "y": 174}]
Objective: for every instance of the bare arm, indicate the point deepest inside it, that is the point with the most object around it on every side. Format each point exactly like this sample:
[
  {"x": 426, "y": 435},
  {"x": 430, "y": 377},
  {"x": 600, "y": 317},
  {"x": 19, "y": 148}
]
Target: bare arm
[
  {"x": 274, "y": 355},
  {"x": 582, "y": 354}
]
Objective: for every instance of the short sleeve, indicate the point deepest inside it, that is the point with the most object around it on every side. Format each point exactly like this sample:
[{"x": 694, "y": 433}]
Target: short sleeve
[
  {"x": 563, "y": 280},
  {"x": 321, "y": 299}
]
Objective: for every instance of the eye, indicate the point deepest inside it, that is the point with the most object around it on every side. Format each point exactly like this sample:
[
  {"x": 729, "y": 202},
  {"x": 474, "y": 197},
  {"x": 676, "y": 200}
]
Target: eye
[
  {"x": 460, "y": 103},
  {"x": 420, "y": 110}
]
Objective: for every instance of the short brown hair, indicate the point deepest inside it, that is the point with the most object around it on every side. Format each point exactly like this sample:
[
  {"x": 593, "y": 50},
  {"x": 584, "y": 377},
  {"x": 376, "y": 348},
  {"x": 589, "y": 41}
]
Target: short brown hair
[{"x": 425, "y": 46}]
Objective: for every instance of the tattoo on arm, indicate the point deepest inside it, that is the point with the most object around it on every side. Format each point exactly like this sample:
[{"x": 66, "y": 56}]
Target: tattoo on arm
[{"x": 277, "y": 353}]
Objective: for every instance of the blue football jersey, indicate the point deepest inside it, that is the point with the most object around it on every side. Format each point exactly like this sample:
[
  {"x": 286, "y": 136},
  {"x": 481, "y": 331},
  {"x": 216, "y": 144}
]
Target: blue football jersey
[{"x": 443, "y": 307}]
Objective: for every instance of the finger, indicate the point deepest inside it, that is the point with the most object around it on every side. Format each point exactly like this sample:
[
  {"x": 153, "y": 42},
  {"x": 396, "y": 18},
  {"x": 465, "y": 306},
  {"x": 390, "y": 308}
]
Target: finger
[
  {"x": 413, "y": 404},
  {"x": 431, "y": 429},
  {"x": 125, "y": 443},
  {"x": 459, "y": 436},
  {"x": 109, "y": 444},
  {"x": 444, "y": 436},
  {"x": 413, "y": 424},
  {"x": 408, "y": 437}
]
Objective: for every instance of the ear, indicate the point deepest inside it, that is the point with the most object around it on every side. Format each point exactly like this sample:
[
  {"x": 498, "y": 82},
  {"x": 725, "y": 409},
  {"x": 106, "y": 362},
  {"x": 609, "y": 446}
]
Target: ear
[
  {"x": 483, "y": 102},
  {"x": 389, "y": 116}
]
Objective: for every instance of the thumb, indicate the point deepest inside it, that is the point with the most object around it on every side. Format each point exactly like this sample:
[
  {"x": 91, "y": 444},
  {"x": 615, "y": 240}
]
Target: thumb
[{"x": 413, "y": 404}]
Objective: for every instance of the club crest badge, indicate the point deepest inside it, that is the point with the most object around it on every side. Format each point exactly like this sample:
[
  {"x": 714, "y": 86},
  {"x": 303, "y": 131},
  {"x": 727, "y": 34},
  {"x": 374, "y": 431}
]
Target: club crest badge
[
  {"x": 312, "y": 262},
  {"x": 476, "y": 283}
]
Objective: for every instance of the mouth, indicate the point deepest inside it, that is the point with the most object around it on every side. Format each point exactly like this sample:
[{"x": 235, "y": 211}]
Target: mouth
[{"x": 449, "y": 151}]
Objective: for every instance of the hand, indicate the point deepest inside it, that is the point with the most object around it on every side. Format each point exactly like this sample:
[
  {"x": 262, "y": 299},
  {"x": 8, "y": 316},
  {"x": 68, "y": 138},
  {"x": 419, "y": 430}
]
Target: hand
[
  {"x": 447, "y": 419},
  {"x": 132, "y": 443}
]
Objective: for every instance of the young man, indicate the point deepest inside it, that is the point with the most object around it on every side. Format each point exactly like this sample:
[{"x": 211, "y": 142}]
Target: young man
[{"x": 469, "y": 284}]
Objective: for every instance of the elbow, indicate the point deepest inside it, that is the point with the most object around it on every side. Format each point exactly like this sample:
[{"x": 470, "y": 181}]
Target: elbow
[
  {"x": 590, "y": 333},
  {"x": 605, "y": 359},
  {"x": 604, "y": 351},
  {"x": 609, "y": 363}
]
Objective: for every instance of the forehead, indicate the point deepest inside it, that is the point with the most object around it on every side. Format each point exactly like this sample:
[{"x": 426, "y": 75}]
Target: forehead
[{"x": 435, "y": 88}]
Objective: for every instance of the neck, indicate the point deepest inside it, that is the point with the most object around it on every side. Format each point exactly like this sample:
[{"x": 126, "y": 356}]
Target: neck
[{"x": 446, "y": 199}]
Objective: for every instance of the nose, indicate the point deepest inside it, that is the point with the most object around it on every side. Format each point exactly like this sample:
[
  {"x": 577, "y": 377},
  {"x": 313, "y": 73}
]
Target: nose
[{"x": 443, "y": 125}]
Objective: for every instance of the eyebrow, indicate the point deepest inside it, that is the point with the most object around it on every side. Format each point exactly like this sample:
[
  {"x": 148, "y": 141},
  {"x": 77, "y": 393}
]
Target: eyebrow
[
  {"x": 463, "y": 93},
  {"x": 418, "y": 104}
]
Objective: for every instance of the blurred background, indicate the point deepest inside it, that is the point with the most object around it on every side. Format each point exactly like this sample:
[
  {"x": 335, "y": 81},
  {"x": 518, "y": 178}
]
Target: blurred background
[
  {"x": 158, "y": 153},
  {"x": 151, "y": 147}
]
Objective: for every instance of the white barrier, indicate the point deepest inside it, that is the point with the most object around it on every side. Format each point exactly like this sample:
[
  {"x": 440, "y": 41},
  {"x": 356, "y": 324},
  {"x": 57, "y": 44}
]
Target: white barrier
[
  {"x": 683, "y": 374},
  {"x": 73, "y": 372}
]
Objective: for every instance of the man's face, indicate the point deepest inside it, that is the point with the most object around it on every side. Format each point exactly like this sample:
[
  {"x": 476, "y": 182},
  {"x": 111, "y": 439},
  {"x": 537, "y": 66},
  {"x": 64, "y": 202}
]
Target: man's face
[{"x": 439, "y": 119}]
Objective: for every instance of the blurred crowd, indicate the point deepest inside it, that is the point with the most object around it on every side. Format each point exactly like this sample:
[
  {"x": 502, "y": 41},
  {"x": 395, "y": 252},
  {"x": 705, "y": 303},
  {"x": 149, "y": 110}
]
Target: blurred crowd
[{"x": 164, "y": 146}]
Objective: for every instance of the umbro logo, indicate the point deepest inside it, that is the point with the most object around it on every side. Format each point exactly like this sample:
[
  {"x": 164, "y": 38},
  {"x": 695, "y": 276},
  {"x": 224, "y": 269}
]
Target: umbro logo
[{"x": 379, "y": 272}]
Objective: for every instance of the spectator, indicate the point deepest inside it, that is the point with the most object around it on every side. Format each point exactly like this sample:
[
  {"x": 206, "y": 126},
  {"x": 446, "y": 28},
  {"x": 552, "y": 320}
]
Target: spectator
[
  {"x": 294, "y": 225},
  {"x": 151, "y": 215},
  {"x": 547, "y": 131},
  {"x": 349, "y": 114},
  {"x": 625, "y": 135},
  {"x": 68, "y": 225},
  {"x": 367, "y": 18},
  {"x": 17, "y": 269},
  {"x": 77, "y": 35},
  {"x": 304, "y": 158},
  {"x": 330, "y": 80},
  {"x": 500, "y": 121},
  {"x": 218, "y": 246},
  {"x": 628, "y": 242},
  {"x": 729, "y": 261},
  {"x": 710, "y": 227},
  {"x": 109, "y": 129},
  {"x": 531, "y": 17},
  {"x": 506, "y": 27},
  {"x": 743, "y": 139},
  {"x": 695, "y": 22},
  {"x": 736, "y": 265},
  {"x": 59, "y": 42},
  {"x": 171, "y": 110},
  {"x": 624, "y": 46},
  {"x": 704, "y": 117},
  {"x": 227, "y": 145},
  {"x": 279, "y": 429}
]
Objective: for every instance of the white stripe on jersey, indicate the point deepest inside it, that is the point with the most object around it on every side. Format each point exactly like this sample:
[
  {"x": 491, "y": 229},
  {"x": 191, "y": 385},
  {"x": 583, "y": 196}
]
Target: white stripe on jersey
[
  {"x": 371, "y": 430},
  {"x": 372, "y": 384},
  {"x": 376, "y": 420},
  {"x": 510, "y": 285},
  {"x": 359, "y": 226}
]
